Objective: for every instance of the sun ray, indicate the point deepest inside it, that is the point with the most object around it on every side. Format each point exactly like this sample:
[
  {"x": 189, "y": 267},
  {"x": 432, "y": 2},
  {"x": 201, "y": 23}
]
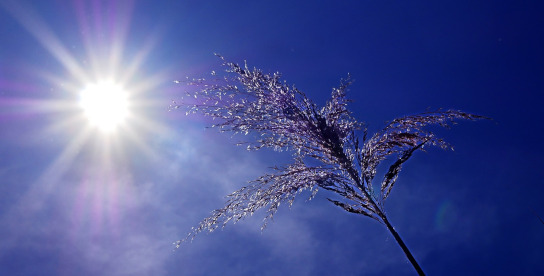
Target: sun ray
[
  {"x": 144, "y": 125},
  {"x": 35, "y": 25},
  {"x": 136, "y": 62},
  {"x": 38, "y": 192},
  {"x": 119, "y": 33}
]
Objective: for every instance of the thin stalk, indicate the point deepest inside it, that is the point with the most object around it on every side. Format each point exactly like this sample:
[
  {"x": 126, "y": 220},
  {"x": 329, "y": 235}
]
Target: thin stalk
[
  {"x": 395, "y": 234},
  {"x": 391, "y": 229},
  {"x": 403, "y": 246}
]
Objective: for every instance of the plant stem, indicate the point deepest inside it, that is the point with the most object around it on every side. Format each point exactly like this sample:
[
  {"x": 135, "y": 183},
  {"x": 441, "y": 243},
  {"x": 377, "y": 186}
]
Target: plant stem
[
  {"x": 391, "y": 229},
  {"x": 402, "y": 245}
]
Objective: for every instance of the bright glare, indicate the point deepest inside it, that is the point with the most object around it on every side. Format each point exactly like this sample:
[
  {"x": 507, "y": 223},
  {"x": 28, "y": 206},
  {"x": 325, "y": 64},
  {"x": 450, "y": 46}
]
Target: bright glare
[{"x": 105, "y": 105}]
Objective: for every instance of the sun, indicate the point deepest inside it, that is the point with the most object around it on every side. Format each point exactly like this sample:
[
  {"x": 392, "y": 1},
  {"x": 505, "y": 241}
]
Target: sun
[{"x": 105, "y": 105}]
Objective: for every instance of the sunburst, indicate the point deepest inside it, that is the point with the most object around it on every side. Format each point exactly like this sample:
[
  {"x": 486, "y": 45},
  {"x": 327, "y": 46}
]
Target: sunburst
[{"x": 103, "y": 97}]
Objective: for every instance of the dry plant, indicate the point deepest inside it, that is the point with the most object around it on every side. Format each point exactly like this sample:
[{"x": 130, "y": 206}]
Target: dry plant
[{"x": 327, "y": 152}]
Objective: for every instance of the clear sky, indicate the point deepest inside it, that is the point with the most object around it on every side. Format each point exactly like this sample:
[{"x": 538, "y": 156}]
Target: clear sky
[{"x": 78, "y": 200}]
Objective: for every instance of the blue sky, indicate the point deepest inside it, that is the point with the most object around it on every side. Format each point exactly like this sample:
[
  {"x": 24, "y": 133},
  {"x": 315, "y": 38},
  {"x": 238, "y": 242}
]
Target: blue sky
[{"x": 75, "y": 201}]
